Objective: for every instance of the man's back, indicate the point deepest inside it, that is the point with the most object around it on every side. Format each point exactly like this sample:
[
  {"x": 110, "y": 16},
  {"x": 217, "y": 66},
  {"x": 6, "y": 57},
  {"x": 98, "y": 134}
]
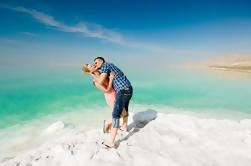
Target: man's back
[{"x": 120, "y": 82}]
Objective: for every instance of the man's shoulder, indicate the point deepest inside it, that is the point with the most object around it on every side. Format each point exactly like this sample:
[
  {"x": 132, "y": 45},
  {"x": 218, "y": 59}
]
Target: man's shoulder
[
  {"x": 105, "y": 64},
  {"x": 105, "y": 67},
  {"x": 108, "y": 64}
]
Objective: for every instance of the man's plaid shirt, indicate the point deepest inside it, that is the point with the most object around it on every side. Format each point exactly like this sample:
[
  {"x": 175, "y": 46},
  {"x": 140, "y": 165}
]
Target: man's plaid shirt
[{"x": 120, "y": 81}]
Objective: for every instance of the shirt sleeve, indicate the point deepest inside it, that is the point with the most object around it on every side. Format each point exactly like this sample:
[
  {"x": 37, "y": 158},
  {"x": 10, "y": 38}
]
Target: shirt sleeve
[{"x": 105, "y": 68}]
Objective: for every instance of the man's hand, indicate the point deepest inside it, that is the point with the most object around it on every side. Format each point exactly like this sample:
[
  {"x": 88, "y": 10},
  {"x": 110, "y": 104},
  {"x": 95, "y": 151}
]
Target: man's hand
[{"x": 112, "y": 75}]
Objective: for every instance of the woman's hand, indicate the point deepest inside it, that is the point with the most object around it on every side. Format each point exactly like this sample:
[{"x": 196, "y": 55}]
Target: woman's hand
[{"x": 112, "y": 75}]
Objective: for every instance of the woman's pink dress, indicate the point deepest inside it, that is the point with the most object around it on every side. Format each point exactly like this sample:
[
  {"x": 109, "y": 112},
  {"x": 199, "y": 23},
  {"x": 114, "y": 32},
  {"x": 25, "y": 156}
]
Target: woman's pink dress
[{"x": 110, "y": 96}]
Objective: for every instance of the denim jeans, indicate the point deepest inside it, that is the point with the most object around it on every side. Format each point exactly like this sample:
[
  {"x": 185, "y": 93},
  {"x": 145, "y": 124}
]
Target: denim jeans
[{"x": 122, "y": 101}]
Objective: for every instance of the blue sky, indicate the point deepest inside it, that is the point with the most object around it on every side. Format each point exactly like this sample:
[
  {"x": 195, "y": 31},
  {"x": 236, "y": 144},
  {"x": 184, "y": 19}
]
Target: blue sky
[{"x": 71, "y": 33}]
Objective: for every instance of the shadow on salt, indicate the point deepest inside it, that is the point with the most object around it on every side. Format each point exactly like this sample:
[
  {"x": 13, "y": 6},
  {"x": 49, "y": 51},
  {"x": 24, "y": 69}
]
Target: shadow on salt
[{"x": 140, "y": 120}]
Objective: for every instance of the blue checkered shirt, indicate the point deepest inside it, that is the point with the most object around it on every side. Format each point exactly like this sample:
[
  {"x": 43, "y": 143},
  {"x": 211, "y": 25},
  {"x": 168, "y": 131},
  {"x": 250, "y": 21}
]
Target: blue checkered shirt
[{"x": 120, "y": 81}]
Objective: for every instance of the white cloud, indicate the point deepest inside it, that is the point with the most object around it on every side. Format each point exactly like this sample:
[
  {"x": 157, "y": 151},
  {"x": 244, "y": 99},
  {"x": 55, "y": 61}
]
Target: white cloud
[
  {"x": 91, "y": 30},
  {"x": 41, "y": 17},
  {"x": 88, "y": 29}
]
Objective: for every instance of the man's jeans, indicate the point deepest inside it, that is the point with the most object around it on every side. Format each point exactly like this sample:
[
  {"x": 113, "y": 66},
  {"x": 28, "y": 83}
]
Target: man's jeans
[{"x": 122, "y": 101}]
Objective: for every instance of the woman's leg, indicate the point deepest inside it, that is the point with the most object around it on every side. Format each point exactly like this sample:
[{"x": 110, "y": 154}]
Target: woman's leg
[{"x": 108, "y": 125}]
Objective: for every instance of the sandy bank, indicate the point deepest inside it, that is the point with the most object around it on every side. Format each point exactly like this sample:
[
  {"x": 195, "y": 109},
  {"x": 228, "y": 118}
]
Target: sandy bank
[
  {"x": 231, "y": 62},
  {"x": 232, "y": 68}
]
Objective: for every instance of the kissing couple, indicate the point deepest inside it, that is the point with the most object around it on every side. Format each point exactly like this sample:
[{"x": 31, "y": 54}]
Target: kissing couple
[{"x": 117, "y": 91}]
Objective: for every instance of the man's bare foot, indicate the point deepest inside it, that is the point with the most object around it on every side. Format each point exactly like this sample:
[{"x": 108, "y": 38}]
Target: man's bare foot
[{"x": 107, "y": 144}]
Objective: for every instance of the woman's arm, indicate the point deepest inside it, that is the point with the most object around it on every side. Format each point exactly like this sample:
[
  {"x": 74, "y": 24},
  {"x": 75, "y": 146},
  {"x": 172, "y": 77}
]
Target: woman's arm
[
  {"x": 106, "y": 88},
  {"x": 100, "y": 79}
]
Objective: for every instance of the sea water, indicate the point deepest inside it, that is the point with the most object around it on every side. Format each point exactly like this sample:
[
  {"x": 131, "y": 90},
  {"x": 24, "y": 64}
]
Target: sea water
[
  {"x": 31, "y": 99},
  {"x": 27, "y": 94}
]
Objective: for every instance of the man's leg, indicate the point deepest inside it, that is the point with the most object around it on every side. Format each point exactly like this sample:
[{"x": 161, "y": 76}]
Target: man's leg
[
  {"x": 115, "y": 126},
  {"x": 113, "y": 136},
  {"x": 126, "y": 111},
  {"x": 117, "y": 110},
  {"x": 121, "y": 103},
  {"x": 108, "y": 123}
]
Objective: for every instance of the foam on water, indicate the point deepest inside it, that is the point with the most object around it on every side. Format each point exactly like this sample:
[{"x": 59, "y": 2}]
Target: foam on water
[{"x": 154, "y": 138}]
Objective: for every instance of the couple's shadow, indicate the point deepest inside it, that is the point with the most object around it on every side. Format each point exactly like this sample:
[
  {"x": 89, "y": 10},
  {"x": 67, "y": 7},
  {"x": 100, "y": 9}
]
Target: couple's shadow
[{"x": 140, "y": 120}]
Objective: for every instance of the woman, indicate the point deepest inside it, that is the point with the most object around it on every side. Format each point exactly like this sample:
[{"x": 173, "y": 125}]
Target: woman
[{"x": 106, "y": 87}]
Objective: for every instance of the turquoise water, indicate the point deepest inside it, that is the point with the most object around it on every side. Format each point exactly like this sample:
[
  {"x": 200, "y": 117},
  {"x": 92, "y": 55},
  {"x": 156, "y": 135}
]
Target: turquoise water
[{"x": 27, "y": 94}]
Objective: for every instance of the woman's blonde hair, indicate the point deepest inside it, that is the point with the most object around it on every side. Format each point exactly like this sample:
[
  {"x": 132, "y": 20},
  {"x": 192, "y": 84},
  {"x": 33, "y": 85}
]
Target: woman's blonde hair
[{"x": 85, "y": 69}]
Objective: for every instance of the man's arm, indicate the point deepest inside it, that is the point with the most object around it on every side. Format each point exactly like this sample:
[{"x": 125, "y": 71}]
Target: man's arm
[{"x": 100, "y": 79}]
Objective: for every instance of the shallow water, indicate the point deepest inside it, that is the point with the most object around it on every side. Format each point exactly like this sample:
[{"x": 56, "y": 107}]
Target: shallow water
[{"x": 28, "y": 93}]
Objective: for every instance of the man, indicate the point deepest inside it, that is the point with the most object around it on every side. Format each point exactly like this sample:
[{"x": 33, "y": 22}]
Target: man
[{"x": 124, "y": 91}]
